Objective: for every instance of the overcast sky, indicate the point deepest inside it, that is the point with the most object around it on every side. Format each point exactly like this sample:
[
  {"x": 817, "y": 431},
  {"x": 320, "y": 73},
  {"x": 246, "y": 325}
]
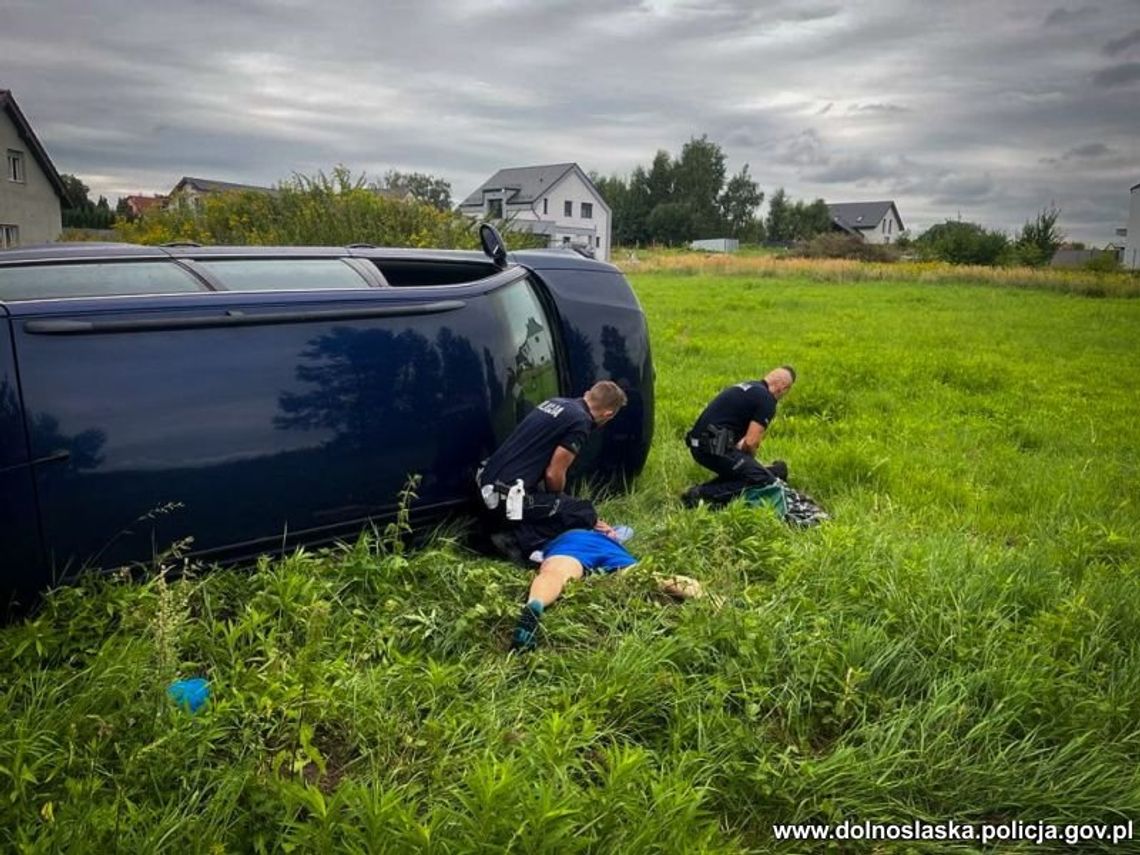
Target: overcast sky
[{"x": 987, "y": 109}]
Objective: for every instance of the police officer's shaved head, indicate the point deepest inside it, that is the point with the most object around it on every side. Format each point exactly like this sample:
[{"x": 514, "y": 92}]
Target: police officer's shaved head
[
  {"x": 780, "y": 380},
  {"x": 604, "y": 399}
]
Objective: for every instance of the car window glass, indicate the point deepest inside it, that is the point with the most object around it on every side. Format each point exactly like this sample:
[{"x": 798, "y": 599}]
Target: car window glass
[
  {"x": 52, "y": 281},
  {"x": 283, "y": 274},
  {"x": 532, "y": 375}
]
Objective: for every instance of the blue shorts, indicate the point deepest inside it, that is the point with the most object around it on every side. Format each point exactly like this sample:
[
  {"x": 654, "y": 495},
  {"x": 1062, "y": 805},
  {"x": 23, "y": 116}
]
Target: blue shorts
[{"x": 598, "y": 553}]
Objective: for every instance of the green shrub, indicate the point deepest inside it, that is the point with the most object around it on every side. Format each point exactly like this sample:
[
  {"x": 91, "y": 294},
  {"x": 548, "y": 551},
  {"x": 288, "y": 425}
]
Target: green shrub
[
  {"x": 962, "y": 243},
  {"x": 1103, "y": 262},
  {"x": 334, "y": 210},
  {"x": 834, "y": 245}
]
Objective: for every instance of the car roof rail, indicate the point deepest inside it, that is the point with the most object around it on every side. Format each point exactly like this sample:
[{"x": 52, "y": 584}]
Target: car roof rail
[
  {"x": 361, "y": 246},
  {"x": 178, "y": 243}
]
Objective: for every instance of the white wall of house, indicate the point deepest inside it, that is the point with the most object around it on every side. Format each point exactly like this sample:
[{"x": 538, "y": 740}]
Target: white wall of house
[
  {"x": 887, "y": 231},
  {"x": 31, "y": 205},
  {"x": 1132, "y": 241},
  {"x": 593, "y": 231},
  {"x": 576, "y": 191}
]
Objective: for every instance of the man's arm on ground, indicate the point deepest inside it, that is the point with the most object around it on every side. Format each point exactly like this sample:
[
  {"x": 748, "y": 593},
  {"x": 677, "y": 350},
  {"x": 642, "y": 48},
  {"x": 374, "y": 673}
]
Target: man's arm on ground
[
  {"x": 555, "y": 477},
  {"x": 606, "y": 529},
  {"x": 751, "y": 439}
]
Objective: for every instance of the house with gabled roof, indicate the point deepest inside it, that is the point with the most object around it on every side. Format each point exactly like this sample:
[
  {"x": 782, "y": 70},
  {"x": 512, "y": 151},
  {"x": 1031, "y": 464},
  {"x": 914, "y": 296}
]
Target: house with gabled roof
[
  {"x": 874, "y": 222},
  {"x": 192, "y": 190},
  {"x": 558, "y": 201},
  {"x": 32, "y": 194}
]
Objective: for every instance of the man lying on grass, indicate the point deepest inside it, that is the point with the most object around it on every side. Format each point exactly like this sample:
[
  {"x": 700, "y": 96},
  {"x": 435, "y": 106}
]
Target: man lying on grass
[{"x": 571, "y": 555}]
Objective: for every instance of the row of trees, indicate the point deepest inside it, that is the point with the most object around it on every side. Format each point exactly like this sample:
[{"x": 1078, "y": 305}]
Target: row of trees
[
  {"x": 970, "y": 243},
  {"x": 331, "y": 210},
  {"x": 691, "y": 196},
  {"x": 80, "y": 212}
]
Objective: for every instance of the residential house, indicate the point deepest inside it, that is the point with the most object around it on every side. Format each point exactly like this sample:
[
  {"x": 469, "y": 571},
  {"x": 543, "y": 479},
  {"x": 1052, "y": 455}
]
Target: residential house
[
  {"x": 139, "y": 205},
  {"x": 31, "y": 192},
  {"x": 1131, "y": 259},
  {"x": 192, "y": 190},
  {"x": 395, "y": 194},
  {"x": 558, "y": 201},
  {"x": 874, "y": 222}
]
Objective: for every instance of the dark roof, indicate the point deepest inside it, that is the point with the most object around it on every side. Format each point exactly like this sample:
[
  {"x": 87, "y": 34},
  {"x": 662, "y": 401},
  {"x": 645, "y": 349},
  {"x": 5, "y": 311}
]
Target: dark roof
[
  {"x": 843, "y": 227},
  {"x": 209, "y": 185},
  {"x": 528, "y": 182},
  {"x": 9, "y": 105},
  {"x": 862, "y": 215}
]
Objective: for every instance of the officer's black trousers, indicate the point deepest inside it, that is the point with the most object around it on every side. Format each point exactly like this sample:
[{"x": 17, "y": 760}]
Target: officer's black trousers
[
  {"x": 733, "y": 466},
  {"x": 547, "y": 515}
]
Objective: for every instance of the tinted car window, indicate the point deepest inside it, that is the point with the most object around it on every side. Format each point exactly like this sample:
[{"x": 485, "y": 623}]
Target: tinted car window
[
  {"x": 534, "y": 375},
  {"x": 284, "y": 274},
  {"x": 51, "y": 281}
]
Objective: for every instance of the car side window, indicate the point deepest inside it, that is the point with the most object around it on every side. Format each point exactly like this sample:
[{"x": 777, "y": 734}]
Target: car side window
[
  {"x": 103, "y": 279},
  {"x": 532, "y": 375},
  {"x": 282, "y": 274}
]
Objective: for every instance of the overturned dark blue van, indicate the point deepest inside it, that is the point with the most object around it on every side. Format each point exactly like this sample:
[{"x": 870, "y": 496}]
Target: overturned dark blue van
[{"x": 254, "y": 398}]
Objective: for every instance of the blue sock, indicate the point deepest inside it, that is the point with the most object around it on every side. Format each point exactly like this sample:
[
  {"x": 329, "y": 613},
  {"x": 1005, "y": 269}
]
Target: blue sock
[{"x": 527, "y": 627}]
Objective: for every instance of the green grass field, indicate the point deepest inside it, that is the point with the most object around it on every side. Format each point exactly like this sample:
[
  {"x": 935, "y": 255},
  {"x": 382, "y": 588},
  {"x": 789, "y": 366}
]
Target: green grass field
[{"x": 961, "y": 642}]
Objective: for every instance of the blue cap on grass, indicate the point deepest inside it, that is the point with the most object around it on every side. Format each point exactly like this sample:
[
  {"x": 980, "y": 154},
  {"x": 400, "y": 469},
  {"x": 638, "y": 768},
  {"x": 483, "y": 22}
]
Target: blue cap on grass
[{"x": 191, "y": 695}]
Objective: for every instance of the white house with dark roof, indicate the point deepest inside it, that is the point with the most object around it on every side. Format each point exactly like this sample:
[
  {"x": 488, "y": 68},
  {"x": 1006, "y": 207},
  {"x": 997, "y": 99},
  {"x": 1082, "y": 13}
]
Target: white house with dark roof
[
  {"x": 558, "y": 201},
  {"x": 1131, "y": 258},
  {"x": 192, "y": 190},
  {"x": 31, "y": 191},
  {"x": 874, "y": 222}
]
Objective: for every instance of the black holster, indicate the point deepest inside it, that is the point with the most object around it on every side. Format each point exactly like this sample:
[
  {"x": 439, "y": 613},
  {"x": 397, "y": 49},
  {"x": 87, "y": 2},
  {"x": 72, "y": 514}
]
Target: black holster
[{"x": 713, "y": 440}]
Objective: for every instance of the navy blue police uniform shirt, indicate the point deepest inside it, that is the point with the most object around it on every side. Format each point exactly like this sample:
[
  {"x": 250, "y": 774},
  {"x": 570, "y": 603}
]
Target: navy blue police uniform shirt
[
  {"x": 736, "y": 406},
  {"x": 525, "y": 454}
]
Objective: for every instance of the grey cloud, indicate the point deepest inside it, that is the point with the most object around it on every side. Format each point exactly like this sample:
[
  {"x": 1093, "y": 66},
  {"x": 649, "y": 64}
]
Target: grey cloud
[
  {"x": 877, "y": 108},
  {"x": 462, "y": 87},
  {"x": 805, "y": 149},
  {"x": 1062, "y": 15},
  {"x": 1123, "y": 43},
  {"x": 1087, "y": 150},
  {"x": 1118, "y": 75},
  {"x": 864, "y": 168}
]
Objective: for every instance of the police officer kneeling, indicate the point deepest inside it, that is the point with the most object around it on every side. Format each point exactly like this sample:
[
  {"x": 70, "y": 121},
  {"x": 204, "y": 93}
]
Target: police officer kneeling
[
  {"x": 523, "y": 483},
  {"x": 728, "y": 433}
]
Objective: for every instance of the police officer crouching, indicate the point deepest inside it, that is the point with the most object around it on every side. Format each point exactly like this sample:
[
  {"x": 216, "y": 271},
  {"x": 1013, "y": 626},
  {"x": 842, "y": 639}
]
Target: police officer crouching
[
  {"x": 728, "y": 433},
  {"x": 522, "y": 485}
]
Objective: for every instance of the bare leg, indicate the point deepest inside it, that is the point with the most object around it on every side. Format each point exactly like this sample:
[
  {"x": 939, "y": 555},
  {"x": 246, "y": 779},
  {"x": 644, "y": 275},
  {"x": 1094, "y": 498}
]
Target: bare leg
[
  {"x": 547, "y": 586},
  {"x": 552, "y": 577}
]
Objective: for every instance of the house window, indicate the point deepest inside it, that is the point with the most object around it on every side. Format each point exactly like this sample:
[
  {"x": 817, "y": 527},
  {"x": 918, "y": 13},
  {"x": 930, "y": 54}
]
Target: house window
[
  {"x": 566, "y": 238},
  {"x": 587, "y": 211},
  {"x": 598, "y": 243},
  {"x": 9, "y": 236},
  {"x": 568, "y": 209},
  {"x": 495, "y": 209},
  {"x": 15, "y": 165},
  {"x": 546, "y": 206}
]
